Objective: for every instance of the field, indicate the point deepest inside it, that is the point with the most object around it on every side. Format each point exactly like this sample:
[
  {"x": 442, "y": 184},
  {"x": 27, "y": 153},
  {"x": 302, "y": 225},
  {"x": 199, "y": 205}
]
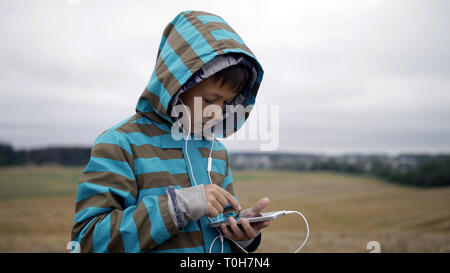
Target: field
[{"x": 344, "y": 212}]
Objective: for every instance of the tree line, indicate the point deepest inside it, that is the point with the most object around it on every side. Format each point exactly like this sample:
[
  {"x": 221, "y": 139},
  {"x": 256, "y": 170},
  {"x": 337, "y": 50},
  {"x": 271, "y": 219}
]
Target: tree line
[{"x": 422, "y": 170}]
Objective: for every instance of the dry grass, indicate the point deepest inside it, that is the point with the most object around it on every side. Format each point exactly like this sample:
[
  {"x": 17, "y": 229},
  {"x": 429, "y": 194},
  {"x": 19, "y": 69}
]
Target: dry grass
[{"x": 345, "y": 212}]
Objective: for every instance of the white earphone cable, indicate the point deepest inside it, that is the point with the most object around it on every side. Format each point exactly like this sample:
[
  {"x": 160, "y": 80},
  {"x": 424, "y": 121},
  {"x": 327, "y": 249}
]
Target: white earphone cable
[{"x": 221, "y": 236}]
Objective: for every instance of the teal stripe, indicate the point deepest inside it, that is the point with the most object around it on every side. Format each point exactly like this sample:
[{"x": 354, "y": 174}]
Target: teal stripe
[
  {"x": 138, "y": 138},
  {"x": 157, "y": 88},
  {"x": 218, "y": 165},
  {"x": 192, "y": 36},
  {"x": 87, "y": 189},
  {"x": 88, "y": 213},
  {"x": 158, "y": 230},
  {"x": 251, "y": 98},
  {"x": 198, "y": 249},
  {"x": 146, "y": 121},
  {"x": 223, "y": 34},
  {"x": 153, "y": 191},
  {"x": 228, "y": 179},
  {"x": 231, "y": 213},
  {"x": 80, "y": 235},
  {"x": 129, "y": 232},
  {"x": 102, "y": 235},
  {"x": 175, "y": 65},
  {"x": 100, "y": 164},
  {"x": 191, "y": 226},
  {"x": 113, "y": 137},
  {"x": 210, "y": 19},
  {"x": 154, "y": 164},
  {"x": 259, "y": 76}
]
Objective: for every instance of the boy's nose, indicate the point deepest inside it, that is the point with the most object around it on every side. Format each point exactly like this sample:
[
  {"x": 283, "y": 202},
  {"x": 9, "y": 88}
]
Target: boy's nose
[{"x": 216, "y": 115}]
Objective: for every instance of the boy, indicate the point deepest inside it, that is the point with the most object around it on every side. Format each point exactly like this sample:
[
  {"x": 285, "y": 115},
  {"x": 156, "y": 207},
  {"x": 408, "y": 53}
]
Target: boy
[{"x": 144, "y": 190}]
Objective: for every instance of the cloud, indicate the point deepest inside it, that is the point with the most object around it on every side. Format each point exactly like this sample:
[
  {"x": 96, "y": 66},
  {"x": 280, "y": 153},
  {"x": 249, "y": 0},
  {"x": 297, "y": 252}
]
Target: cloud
[{"x": 348, "y": 75}]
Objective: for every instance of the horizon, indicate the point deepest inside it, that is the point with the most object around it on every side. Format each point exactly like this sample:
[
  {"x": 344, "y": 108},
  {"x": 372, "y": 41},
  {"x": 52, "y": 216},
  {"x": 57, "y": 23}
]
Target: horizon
[{"x": 349, "y": 76}]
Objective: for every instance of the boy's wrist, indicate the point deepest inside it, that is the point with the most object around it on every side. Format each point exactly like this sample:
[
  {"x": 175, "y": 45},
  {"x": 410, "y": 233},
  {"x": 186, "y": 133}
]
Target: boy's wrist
[{"x": 187, "y": 204}]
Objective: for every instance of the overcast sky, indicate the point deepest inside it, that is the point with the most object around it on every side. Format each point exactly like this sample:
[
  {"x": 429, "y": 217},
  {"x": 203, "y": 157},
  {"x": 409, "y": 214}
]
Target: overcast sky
[{"x": 348, "y": 76}]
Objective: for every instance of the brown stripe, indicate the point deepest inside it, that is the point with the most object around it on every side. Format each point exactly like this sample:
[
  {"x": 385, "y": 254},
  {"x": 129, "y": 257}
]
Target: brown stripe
[
  {"x": 154, "y": 101},
  {"x": 183, "y": 240},
  {"x": 134, "y": 117},
  {"x": 217, "y": 178},
  {"x": 228, "y": 165},
  {"x": 153, "y": 116},
  {"x": 159, "y": 53},
  {"x": 168, "y": 29},
  {"x": 78, "y": 227},
  {"x": 115, "y": 244},
  {"x": 165, "y": 214},
  {"x": 166, "y": 77},
  {"x": 166, "y": 32},
  {"x": 142, "y": 220},
  {"x": 232, "y": 43},
  {"x": 150, "y": 130},
  {"x": 87, "y": 242},
  {"x": 217, "y": 154},
  {"x": 147, "y": 150},
  {"x": 110, "y": 179},
  {"x": 191, "y": 17},
  {"x": 184, "y": 51},
  {"x": 219, "y": 25},
  {"x": 230, "y": 189},
  {"x": 112, "y": 151},
  {"x": 162, "y": 179},
  {"x": 101, "y": 200}
]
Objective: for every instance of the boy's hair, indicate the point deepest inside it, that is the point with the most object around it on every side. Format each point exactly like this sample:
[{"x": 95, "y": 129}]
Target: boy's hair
[{"x": 235, "y": 77}]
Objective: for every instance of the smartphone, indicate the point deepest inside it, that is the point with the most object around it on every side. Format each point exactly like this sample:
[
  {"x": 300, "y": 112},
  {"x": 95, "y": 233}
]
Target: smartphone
[{"x": 266, "y": 216}]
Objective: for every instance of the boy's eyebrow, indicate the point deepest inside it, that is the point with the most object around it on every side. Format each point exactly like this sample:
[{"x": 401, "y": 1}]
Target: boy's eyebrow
[{"x": 220, "y": 96}]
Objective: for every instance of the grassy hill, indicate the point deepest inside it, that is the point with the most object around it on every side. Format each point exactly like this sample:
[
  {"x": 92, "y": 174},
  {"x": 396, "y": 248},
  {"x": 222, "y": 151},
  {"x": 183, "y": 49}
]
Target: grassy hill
[{"x": 345, "y": 212}]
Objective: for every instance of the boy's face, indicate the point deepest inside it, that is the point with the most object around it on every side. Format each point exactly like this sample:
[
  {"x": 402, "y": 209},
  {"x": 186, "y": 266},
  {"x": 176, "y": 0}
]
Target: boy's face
[{"x": 209, "y": 93}]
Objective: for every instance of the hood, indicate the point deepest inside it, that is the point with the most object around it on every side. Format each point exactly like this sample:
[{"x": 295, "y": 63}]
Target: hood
[{"x": 195, "y": 45}]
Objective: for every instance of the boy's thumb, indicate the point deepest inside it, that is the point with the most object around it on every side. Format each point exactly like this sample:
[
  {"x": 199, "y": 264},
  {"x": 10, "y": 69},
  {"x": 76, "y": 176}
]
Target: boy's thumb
[{"x": 259, "y": 206}]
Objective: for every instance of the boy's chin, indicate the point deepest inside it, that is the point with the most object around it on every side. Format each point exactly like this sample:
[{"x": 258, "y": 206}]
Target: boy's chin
[{"x": 200, "y": 132}]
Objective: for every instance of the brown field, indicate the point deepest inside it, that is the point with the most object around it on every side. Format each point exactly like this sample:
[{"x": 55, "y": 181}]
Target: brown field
[{"x": 344, "y": 212}]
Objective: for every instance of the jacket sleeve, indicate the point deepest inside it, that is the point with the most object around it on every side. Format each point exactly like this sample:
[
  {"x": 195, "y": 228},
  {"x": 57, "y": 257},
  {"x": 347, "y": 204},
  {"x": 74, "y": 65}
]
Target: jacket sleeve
[{"x": 108, "y": 217}]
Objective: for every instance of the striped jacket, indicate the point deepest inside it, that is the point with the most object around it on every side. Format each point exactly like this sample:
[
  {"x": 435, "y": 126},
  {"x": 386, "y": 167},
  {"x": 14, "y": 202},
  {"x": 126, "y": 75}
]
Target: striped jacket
[{"x": 121, "y": 203}]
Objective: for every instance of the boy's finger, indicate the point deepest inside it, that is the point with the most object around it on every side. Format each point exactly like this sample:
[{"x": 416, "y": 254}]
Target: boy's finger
[
  {"x": 235, "y": 228},
  {"x": 248, "y": 228},
  {"x": 231, "y": 199},
  {"x": 225, "y": 231},
  {"x": 222, "y": 200},
  {"x": 217, "y": 205},
  {"x": 259, "y": 206},
  {"x": 212, "y": 211},
  {"x": 261, "y": 225}
]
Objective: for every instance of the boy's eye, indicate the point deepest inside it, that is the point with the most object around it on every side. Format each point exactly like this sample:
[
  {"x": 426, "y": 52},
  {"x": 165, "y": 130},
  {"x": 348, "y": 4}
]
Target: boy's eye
[{"x": 207, "y": 101}]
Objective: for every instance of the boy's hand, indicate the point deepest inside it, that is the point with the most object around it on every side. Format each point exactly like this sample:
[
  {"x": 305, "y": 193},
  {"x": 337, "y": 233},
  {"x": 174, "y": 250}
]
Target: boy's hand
[
  {"x": 248, "y": 231},
  {"x": 218, "y": 198}
]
